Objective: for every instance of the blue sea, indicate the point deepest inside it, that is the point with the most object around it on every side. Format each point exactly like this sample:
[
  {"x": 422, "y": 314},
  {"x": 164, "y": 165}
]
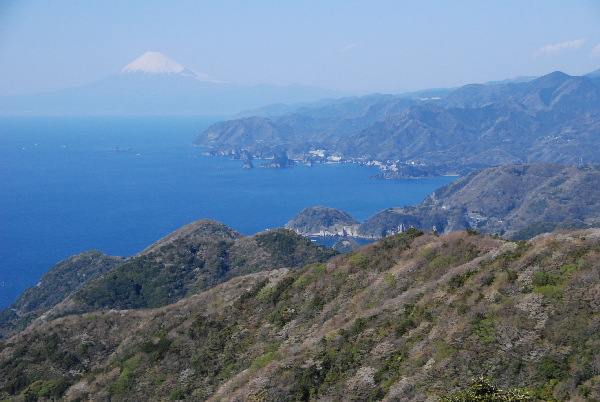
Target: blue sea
[{"x": 64, "y": 189}]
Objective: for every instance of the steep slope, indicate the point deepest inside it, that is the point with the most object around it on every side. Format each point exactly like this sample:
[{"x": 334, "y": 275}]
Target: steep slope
[
  {"x": 408, "y": 318},
  {"x": 195, "y": 258},
  {"x": 55, "y": 285}
]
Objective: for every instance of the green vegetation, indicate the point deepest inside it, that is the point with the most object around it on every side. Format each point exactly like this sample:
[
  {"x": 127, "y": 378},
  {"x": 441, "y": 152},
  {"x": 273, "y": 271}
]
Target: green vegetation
[
  {"x": 481, "y": 389},
  {"x": 52, "y": 389},
  {"x": 189, "y": 265},
  {"x": 55, "y": 285},
  {"x": 381, "y": 322}
]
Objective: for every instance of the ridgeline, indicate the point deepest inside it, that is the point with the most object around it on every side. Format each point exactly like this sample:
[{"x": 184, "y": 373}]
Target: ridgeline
[{"x": 411, "y": 317}]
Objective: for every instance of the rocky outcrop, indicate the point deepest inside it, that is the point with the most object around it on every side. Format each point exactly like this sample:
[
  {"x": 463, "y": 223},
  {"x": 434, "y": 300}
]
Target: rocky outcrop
[
  {"x": 345, "y": 246},
  {"x": 523, "y": 199},
  {"x": 323, "y": 221}
]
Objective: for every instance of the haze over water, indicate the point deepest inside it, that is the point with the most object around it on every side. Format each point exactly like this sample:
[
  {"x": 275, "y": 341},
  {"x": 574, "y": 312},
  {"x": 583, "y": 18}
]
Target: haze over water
[{"x": 65, "y": 190}]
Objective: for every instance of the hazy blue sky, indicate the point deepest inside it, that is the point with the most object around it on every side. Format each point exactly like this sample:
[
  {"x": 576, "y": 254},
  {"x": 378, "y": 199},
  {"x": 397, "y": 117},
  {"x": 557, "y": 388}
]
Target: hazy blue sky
[{"x": 385, "y": 46}]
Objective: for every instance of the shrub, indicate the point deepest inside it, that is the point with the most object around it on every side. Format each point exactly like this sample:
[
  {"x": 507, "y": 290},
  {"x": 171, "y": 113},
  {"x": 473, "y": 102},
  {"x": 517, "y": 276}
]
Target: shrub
[
  {"x": 553, "y": 291},
  {"x": 53, "y": 389},
  {"x": 176, "y": 395},
  {"x": 273, "y": 294},
  {"x": 403, "y": 327},
  {"x": 459, "y": 280},
  {"x": 444, "y": 350},
  {"x": 158, "y": 349},
  {"x": 390, "y": 280},
  {"x": 358, "y": 260},
  {"x": 481, "y": 389},
  {"x": 541, "y": 278},
  {"x": 262, "y": 361},
  {"x": 549, "y": 368},
  {"x": 439, "y": 262},
  {"x": 251, "y": 293},
  {"x": 483, "y": 326},
  {"x": 488, "y": 280}
]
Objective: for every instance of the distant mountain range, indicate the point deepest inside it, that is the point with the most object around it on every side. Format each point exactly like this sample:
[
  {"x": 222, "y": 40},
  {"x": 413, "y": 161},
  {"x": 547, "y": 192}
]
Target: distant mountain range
[
  {"x": 554, "y": 118},
  {"x": 154, "y": 84}
]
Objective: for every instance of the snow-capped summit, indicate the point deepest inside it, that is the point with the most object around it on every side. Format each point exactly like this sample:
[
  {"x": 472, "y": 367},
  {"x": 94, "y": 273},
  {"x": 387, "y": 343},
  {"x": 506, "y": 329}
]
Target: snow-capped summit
[{"x": 158, "y": 63}]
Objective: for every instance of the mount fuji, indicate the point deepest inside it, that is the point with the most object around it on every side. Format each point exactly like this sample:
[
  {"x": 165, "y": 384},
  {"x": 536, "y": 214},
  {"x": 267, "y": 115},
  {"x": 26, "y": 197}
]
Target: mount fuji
[
  {"x": 158, "y": 63},
  {"x": 153, "y": 84}
]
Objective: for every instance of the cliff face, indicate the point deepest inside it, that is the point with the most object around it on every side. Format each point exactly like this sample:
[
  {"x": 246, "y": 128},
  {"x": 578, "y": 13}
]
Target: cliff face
[{"x": 407, "y": 318}]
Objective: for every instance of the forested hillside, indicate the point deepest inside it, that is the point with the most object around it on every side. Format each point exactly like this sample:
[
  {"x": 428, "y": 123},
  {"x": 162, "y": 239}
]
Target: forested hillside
[
  {"x": 554, "y": 118},
  {"x": 55, "y": 285},
  {"x": 190, "y": 260},
  {"x": 409, "y": 318}
]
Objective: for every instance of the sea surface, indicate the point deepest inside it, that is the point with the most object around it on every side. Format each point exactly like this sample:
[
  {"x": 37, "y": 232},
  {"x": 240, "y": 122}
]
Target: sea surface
[{"x": 118, "y": 184}]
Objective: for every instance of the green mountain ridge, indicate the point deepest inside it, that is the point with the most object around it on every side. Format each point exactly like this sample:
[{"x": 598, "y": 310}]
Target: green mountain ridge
[
  {"x": 190, "y": 260},
  {"x": 410, "y": 317},
  {"x": 56, "y": 284}
]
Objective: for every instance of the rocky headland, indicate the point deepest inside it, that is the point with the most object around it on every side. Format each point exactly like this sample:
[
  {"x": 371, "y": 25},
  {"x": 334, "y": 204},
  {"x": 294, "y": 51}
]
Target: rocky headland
[
  {"x": 508, "y": 200},
  {"x": 323, "y": 221}
]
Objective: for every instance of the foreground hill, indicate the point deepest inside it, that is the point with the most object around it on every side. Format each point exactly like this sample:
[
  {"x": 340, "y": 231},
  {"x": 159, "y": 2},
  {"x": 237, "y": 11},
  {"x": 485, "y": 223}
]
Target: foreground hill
[
  {"x": 194, "y": 258},
  {"x": 511, "y": 199},
  {"x": 408, "y": 318},
  {"x": 55, "y": 285},
  {"x": 554, "y": 118}
]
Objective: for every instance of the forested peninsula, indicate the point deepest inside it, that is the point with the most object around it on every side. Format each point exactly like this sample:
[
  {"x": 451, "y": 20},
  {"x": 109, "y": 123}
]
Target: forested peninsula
[{"x": 554, "y": 118}]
